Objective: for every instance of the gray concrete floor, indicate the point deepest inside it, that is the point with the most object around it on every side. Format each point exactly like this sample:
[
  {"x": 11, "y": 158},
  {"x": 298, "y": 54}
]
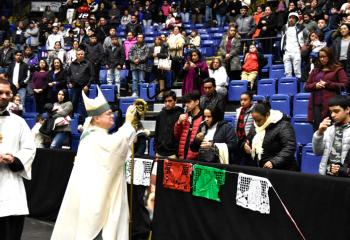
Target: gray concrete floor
[{"x": 36, "y": 230}]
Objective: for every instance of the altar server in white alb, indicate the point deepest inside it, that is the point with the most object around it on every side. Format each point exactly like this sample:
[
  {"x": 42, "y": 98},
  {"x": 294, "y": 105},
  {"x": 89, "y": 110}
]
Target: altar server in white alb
[
  {"x": 17, "y": 151},
  {"x": 95, "y": 204}
]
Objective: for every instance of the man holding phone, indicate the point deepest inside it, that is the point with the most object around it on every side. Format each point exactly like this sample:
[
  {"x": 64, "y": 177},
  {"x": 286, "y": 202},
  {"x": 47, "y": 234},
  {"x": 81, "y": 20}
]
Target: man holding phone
[{"x": 332, "y": 141}]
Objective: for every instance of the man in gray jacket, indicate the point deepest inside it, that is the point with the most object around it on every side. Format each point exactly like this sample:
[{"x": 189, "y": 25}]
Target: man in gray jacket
[
  {"x": 32, "y": 35},
  {"x": 333, "y": 141}
]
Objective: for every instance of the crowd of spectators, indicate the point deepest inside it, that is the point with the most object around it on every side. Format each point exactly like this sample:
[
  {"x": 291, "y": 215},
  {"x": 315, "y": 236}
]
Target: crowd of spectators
[{"x": 64, "y": 52}]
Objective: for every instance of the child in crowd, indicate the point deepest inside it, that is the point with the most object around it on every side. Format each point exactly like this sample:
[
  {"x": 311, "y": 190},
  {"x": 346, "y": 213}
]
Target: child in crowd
[
  {"x": 316, "y": 44},
  {"x": 253, "y": 61},
  {"x": 16, "y": 105},
  {"x": 38, "y": 137}
]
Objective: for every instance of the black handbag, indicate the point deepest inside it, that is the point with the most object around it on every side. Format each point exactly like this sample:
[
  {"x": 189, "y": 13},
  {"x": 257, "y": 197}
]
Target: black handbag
[{"x": 209, "y": 155}]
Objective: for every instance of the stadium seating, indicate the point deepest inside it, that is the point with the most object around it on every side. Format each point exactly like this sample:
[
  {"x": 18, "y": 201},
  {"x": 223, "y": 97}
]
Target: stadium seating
[
  {"x": 125, "y": 102},
  {"x": 303, "y": 130},
  {"x": 309, "y": 161},
  {"x": 257, "y": 98},
  {"x": 288, "y": 85},
  {"x": 151, "y": 88},
  {"x": 109, "y": 92},
  {"x": 300, "y": 105},
  {"x": 281, "y": 102},
  {"x": 92, "y": 91},
  {"x": 236, "y": 87},
  {"x": 230, "y": 118},
  {"x": 266, "y": 87}
]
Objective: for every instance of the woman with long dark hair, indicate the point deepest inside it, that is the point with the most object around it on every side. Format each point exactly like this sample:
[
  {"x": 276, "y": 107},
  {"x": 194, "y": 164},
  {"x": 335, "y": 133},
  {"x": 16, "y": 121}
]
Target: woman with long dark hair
[
  {"x": 61, "y": 112},
  {"x": 40, "y": 80},
  {"x": 194, "y": 71},
  {"x": 325, "y": 81},
  {"x": 214, "y": 132},
  {"x": 57, "y": 79}
]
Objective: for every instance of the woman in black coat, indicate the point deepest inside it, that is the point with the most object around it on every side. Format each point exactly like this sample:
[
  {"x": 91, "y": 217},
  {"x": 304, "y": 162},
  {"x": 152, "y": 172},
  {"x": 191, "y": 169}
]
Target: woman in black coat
[
  {"x": 57, "y": 80},
  {"x": 267, "y": 25},
  {"x": 271, "y": 142},
  {"x": 214, "y": 130}
]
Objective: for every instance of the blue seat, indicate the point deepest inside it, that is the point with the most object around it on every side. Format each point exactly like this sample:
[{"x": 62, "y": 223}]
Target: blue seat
[
  {"x": 207, "y": 43},
  {"x": 218, "y": 35},
  {"x": 205, "y": 36},
  {"x": 277, "y": 73},
  {"x": 92, "y": 91},
  {"x": 209, "y": 51},
  {"x": 236, "y": 88},
  {"x": 125, "y": 102},
  {"x": 149, "y": 39},
  {"x": 187, "y": 26},
  {"x": 103, "y": 76},
  {"x": 309, "y": 161},
  {"x": 288, "y": 85},
  {"x": 30, "y": 104},
  {"x": 281, "y": 102},
  {"x": 266, "y": 87},
  {"x": 257, "y": 98},
  {"x": 151, "y": 151},
  {"x": 303, "y": 130},
  {"x": 151, "y": 88},
  {"x": 301, "y": 103},
  {"x": 168, "y": 79},
  {"x": 214, "y": 29},
  {"x": 230, "y": 118},
  {"x": 199, "y": 25},
  {"x": 202, "y": 31},
  {"x": 30, "y": 121},
  {"x": 203, "y": 51},
  {"x": 267, "y": 68},
  {"x": 74, "y": 125},
  {"x": 109, "y": 92},
  {"x": 277, "y": 66}
]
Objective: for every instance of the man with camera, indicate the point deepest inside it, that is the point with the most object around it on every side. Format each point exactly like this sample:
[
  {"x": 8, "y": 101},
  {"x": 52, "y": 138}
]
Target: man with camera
[{"x": 332, "y": 141}]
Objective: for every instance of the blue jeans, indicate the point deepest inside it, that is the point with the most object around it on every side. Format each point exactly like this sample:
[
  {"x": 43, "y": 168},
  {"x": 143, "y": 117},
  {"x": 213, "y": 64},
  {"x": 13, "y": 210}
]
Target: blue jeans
[
  {"x": 208, "y": 14},
  {"x": 76, "y": 97},
  {"x": 221, "y": 20},
  {"x": 138, "y": 77},
  {"x": 3, "y": 69},
  {"x": 58, "y": 140}
]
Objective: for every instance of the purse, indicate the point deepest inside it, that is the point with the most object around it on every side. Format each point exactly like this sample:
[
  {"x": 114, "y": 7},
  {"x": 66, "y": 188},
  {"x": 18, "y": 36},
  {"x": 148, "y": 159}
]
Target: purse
[
  {"x": 164, "y": 64},
  {"x": 209, "y": 155}
]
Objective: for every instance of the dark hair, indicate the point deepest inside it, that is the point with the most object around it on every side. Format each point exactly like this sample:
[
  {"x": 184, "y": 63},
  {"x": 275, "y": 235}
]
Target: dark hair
[
  {"x": 211, "y": 63},
  {"x": 198, "y": 53},
  {"x": 53, "y": 61},
  {"x": 332, "y": 62},
  {"x": 248, "y": 93},
  {"x": 342, "y": 101},
  {"x": 263, "y": 108},
  {"x": 216, "y": 113},
  {"x": 66, "y": 95},
  {"x": 210, "y": 80},
  {"x": 192, "y": 96},
  {"x": 39, "y": 117},
  {"x": 171, "y": 94},
  {"x": 18, "y": 51},
  {"x": 25, "y": 47}
]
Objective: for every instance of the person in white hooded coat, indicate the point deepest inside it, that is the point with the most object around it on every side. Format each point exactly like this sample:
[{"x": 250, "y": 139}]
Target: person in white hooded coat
[{"x": 95, "y": 204}]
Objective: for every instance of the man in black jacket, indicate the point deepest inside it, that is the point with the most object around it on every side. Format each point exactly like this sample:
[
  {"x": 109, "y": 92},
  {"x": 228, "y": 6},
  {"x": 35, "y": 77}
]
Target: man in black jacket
[
  {"x": 19, "y": 74},
  {"x": 80, "y": 75},
  {"x": 95, "y": 55},
  {"x": 165, "y": 143},
  {"x": 7, "y": 55},
  {"x": 212, "y": 97},
  {"x": 133, "y": 26}
]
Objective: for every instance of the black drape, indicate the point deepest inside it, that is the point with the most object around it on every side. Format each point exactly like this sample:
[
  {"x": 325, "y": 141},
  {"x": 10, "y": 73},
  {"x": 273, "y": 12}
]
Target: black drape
[
  {"x": 50, "y": 174},
  {"x": 319, "y": 204}
]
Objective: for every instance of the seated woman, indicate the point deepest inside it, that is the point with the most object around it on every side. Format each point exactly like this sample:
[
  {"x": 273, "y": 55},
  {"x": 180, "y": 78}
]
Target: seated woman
[
  {"x": 62, "y": 109},
  {"x": 215, "y": 132},
  {"x": 218, "y": 72},
  {"x": 271, "y": 143}
]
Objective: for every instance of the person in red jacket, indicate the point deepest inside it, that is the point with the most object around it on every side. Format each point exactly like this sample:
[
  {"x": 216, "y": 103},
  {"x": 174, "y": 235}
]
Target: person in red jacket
[{"x": 187, "y": 125}]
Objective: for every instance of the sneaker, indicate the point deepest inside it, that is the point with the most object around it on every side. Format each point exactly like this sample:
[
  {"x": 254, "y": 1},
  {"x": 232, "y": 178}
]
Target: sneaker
[{"x": 134, "y": 95}]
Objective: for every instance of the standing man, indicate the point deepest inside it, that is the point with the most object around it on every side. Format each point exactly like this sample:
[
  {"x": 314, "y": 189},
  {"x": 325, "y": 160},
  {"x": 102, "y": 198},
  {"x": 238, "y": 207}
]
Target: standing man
[
  {"x": 333, "y": 141},
  {"x": 212, "y": 97},
  {"x": 53, "y": 38},
  {"x": 95, "y": 55},
  {"x": 95, "y": 204},
  {"x": 138, "y": 57},
  {"x": 80, "y": 75},
  {"x": 245, "y": 26},
  {"x": 186, "y": 127},
  {"x": 7, "y": 54},
  {"x": 293, "y": 39},
  {"x": 165, "y": 143},
  {"x": 17, "y": 151},
  {"x": 19, "y": 75}
]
